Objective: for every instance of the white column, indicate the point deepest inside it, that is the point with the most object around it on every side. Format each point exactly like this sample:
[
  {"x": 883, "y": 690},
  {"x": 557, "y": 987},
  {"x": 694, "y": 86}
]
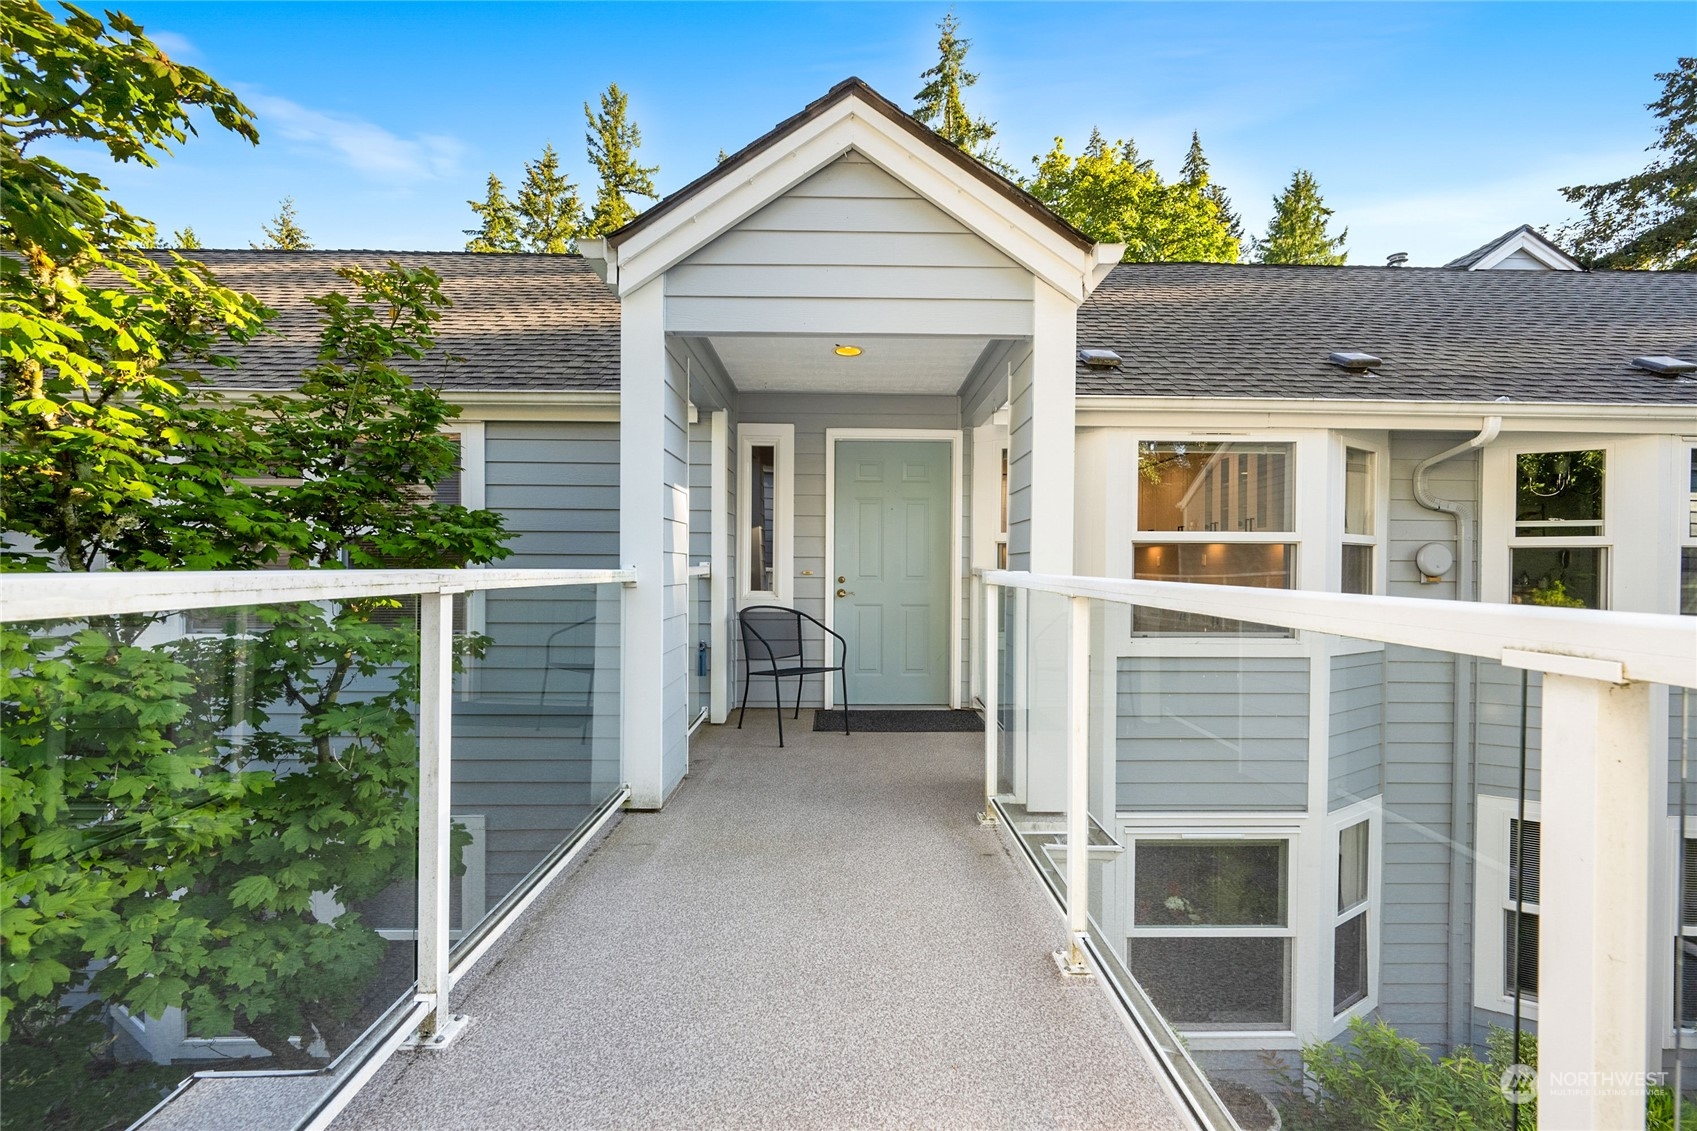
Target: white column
[
  {"x": 435, "y": 799},
  {"x": 1078, "y": 783},
  {"x": 719, "y": 585},
  {"x": 653, "y": 535},
  {"x": 1052, "y": 429},
  {"x": 992, "y": 726},
  {"x": 1593, "y": 928}
]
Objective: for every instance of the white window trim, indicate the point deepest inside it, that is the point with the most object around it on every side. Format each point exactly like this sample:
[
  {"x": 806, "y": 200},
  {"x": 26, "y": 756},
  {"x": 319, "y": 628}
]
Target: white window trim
[
  {"x": 1490, "y": 898},
  {"x": 780, "y": 437},
  {"x": 1379, "y": 484},
  {"x": 1497, "y": 528},
  {"x": 1372, "y": 811}
]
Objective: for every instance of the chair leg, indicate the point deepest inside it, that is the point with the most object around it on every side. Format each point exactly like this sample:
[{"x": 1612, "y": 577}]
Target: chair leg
[
  {"x": 799, "y": 680},
  {"x": 778, "y": 706},
  {"x": 843, "y": 675},
  {"x": 746, "y": 680}
]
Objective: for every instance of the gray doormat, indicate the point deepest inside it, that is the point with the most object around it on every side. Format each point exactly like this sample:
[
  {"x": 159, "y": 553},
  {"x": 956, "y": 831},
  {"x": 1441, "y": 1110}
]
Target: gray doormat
[{"x": 898, "y": 722}]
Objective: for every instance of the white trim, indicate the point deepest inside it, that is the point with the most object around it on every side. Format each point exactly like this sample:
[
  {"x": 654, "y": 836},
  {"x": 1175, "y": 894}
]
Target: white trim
[
  {"x": 953, "y": 437},
  {"x": 781, "y": 438},
  {"x": 719, "y": 560},
  {"x": 1534, "y": 245},
  {"x": 1490, "y": 895},
  {"x": 1372, "y": 811},
  {"x": 1252, "y": 413}
]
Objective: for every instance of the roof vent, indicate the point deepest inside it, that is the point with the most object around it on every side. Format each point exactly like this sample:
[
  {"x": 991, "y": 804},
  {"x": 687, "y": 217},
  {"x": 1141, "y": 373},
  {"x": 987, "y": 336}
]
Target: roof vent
[
  {"x": 1666, "y": 365},
  {"x": 1100, "y": 359},
  {"x": 1354, "y": 362},
  {"x": 1396, "y": 259}
]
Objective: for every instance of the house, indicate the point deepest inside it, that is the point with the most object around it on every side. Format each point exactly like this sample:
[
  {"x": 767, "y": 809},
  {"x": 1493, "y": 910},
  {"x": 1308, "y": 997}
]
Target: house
[{"x": 849, "y": 366}]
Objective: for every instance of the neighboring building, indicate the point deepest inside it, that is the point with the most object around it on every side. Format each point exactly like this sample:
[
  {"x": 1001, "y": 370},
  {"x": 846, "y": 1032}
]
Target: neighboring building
[{"x": 848, "y": 366}]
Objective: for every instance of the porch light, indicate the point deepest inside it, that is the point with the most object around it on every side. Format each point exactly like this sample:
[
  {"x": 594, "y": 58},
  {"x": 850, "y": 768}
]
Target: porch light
[{"x": 847, "y": 351}]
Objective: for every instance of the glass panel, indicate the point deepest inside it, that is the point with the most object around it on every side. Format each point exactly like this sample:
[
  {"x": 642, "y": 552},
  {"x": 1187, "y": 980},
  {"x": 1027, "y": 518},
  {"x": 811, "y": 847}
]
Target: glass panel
[
  {"x": 700, "y": 661},
  {"x": 1353, "y": 866},
  {"x": 1558, "y": 494},
  {"x": 210, "y": 850},
  {"x": 1688, "y": 581},
  {"x": 762, "y": 518},
  {"x": 1567, "y": 578},
  {"x": 536, "y": 738},
  {"x": 1218, "y": 884},
  {"x": 1257, "y": 565},
  {"x": 1349, "y": 963},
  {"x": 1187, "y": 978},
  {"x": 1357, "y": 569},
  {"x": 1528, "y": 954},
  {"x": 1213, "y": 486},
  {"x": 1357, "y": 491}
]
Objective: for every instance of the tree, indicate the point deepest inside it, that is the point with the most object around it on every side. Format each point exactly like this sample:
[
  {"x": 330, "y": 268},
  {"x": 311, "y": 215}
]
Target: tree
[
  {"x": 613, "y": 140},
  {"x": 1297, "y": 232},
  {"x": 283, "y": 233},
  {"x": 941, "y": 103},
  {"x": 499, "y": 230},
  {"x": 1647, "y": 220},
  {"x": 1195, "y": 172},
  {"x": 1114, "y": 195},
  {"x": 550, "y": 213},
  {"x": 185, "y": 239}
]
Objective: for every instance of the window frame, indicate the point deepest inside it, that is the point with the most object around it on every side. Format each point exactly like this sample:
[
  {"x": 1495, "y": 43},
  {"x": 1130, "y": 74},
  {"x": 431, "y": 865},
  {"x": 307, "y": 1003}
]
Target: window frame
[
  {"x": 1369, "y": 811},
  {"x": 1492, "y": 830},
  {"x": 1687, "y": 540},
  {"x": 1379, "y": 492},
  {"x": 781, "y": 438},
  {"x": 1499, "y": 536}
]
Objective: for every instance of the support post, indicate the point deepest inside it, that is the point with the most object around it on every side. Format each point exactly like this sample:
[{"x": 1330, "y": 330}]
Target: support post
[
  {"x": 1593, "y": 969},
  {"x": 992, "y": 727},
  {"x": 1078, "y": 788},
  {"x": 1050, "y": 435}
]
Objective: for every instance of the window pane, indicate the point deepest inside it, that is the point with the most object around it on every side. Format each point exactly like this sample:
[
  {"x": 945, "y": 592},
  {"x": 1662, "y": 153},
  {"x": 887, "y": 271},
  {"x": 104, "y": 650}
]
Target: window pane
[
  {"x": 1693, "y": 527},
  {"x": 1570, "y": 578},
  {"x": 762, "y": 518},
  {"x": 1527, "y": 953},
  {"x": 1189, "y": 884},
  {"x": 1689, "y": 890},
  {"x": 1258, "y": 565},
  {"x": 1190, "y": 486},
  {"x": 1352, "y": 866},
  {"x": 1357, "y": 491},
  {"x": 1688, "y": 581},
  {"x": 1215, "y": 983},
  {"x": 1349, "y": 963},
  {"x": 1687, "y": 980},
  {"x": 1358, "y": 569},
  {"x": 1004, "y": 527},
  {"x": 1532, "y": 839},
  {"x": 1558, "y": 493}
]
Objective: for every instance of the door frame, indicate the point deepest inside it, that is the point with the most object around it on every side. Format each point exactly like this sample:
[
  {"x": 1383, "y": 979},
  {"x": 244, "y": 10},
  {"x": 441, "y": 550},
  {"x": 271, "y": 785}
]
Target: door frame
[{"x": 953, "y": 437}]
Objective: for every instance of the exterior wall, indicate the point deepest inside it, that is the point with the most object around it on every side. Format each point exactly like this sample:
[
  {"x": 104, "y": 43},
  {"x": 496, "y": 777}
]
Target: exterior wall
[{"x": 1357, "y": 728}]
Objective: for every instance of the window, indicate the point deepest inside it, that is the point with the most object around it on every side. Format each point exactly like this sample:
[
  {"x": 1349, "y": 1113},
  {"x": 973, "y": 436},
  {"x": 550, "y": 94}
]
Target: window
[
  {"x": 765, "y": 501},
  {"x": 1351, "y": 964},
  {"x": 1688, "y": 552},
  {"x": 1505, "y": 938},
  {"x": 1200, "y": 907},
  {"x": 1002, "y": 533},
  {"x": 1558, "y": 555},
  {"x": 1359, "y": 486},
  {"x": 1685, "y": 911},
  {"x": 1214, "y": 513}
]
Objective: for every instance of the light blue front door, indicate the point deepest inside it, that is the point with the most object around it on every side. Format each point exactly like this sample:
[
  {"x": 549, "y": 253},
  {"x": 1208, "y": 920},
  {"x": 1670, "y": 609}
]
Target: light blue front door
[{"x": 890, "y": 580}]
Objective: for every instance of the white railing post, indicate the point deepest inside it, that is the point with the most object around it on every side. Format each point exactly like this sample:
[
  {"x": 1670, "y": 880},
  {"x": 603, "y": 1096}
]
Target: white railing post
[
  {"x": 1594, "y": 920},
  {"x": 1078, "y": 785},
  {"x": 435, "y": 823},
  {"x": 992, "y": 728}
]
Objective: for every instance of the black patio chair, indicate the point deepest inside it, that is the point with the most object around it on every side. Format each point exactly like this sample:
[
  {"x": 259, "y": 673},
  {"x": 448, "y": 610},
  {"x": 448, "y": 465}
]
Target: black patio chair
[
  {"x": 565, "y": 655},
  {"x": 772, "y": 637}
]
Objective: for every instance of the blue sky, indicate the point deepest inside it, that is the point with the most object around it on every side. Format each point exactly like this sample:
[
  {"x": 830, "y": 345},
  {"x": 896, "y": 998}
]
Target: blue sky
[{"x": 1430, "y": 127}]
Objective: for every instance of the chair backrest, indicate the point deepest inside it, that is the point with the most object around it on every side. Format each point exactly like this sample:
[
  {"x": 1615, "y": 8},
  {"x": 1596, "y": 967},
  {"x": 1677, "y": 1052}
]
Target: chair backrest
[{"x": 770, "y": 632}]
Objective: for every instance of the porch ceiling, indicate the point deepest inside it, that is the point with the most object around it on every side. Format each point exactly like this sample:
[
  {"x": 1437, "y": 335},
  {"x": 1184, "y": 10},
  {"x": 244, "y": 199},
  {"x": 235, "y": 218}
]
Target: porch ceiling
[{"x": 926, "y": 366}]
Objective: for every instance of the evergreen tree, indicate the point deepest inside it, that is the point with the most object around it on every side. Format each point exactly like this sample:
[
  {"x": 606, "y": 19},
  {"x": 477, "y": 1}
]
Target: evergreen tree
[
  {"x": 1297, "y": 232},
  {"x": 1195, "y": 174},
  {"x": 1647, "y": 220},
  {"x": 941, "y": 105},
  {"x": 283, "y": 233},
  {"x": 499, "y": 230},
  {"x": 184, "y": 239},
  {"x": 550, "y": 215},
  {"x": 613, "y": 140}
]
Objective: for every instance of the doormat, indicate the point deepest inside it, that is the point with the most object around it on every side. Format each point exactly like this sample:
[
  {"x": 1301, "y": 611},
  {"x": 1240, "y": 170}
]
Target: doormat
[{"x": 899, "y": 722}]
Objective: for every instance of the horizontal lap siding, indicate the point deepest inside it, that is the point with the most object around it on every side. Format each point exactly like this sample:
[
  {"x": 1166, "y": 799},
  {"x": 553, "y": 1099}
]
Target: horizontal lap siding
[
  {"x": 1212, "y": 734},
  {"x": 1357, "y": 727}
]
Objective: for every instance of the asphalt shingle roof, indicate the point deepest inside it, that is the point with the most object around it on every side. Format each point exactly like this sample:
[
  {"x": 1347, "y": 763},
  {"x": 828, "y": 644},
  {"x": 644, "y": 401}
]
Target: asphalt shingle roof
[
  {"x": 521, "y": 322},
  {"x": 1240, "y": 330}
]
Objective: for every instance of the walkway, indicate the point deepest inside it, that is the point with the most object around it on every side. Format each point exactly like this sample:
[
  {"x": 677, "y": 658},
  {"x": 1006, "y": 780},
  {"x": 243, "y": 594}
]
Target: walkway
[{"x": 814, "y": 937}]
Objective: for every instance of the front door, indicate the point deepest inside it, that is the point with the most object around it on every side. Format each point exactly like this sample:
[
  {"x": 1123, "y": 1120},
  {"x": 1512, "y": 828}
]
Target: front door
[{"x": 891, "y": 574}]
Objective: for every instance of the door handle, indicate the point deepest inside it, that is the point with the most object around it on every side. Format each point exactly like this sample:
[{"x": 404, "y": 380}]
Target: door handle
[{"x": 844, "y": 593}]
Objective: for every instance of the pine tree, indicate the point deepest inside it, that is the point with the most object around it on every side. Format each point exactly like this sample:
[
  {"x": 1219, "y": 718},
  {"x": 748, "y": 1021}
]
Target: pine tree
[
  {"x": 613, "y": 140},
  {"x": 1297, "y": 232},
  {"x": 941, "y": 105},
  {"x": 500, "y": 228},
  {"x": 283, "y": 233},
  {"x": 184, "y": 239},
  {"x": 550, "y": 215},
  {"x": 1194, "y": 173}
]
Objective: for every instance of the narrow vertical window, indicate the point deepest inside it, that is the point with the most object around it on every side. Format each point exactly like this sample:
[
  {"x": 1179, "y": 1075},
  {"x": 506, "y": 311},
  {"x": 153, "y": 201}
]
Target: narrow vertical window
[
  {"x": 765, "y": 515},
  {"x": 762, "y": 517},
  {"x": 1688, "y": 552},
  {"x": 1350, "y": 967},
  {"x": 1358, "y": 521}
]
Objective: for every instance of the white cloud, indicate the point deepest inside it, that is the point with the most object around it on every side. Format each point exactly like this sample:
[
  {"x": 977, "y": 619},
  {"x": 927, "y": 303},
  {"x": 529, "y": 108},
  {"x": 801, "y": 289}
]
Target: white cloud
[
  {"x": 174, "y": 44},
  {"x": 363, "y": 146}
]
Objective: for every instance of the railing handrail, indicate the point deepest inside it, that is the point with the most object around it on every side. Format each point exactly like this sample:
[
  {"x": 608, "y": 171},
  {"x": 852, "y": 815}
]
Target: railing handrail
[
  {"x": 73, "y": 596},
  {"x": 1651, "y": 647}
]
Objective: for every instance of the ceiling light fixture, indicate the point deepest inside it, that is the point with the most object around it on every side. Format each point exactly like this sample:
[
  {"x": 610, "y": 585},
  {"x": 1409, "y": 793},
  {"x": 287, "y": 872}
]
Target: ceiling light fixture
[{"x": 847, "y": 351}]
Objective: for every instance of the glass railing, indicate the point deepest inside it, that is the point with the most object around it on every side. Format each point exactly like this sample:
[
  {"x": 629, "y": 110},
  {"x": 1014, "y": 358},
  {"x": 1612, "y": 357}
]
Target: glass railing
[
  {"x": 231, "y": 833},
  {"x": 700, "y": 653},
  {"x": 1294, "y": 878}
]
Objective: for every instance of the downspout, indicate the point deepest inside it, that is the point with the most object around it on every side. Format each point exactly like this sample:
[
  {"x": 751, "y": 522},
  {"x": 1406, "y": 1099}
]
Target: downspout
[{"x": 1463, "y": 754}]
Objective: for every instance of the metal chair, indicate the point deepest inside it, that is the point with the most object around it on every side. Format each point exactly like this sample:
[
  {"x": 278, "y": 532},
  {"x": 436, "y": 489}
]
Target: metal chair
[
  {"x": 772, "y": 635},
  {"x": 568, "y": 648}
]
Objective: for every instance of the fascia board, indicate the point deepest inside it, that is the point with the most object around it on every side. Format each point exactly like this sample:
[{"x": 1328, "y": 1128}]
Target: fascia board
[
  {"x": 1535, "y": 246},
  {"x": 1211, "y": 413},
  {"x": 721, "y": 206}
]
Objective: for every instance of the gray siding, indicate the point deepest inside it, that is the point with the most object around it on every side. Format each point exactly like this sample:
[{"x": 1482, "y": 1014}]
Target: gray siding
[
  {"x": 1212, "y": 734},
  {"x": 558, "y": 486},
  {"x": 1357, "y": 732},
  {"x": 1497, "y": 728}
]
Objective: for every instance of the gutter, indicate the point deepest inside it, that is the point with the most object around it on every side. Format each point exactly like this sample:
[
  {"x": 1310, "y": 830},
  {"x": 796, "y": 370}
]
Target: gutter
[{"x": 1464, "y": 754}]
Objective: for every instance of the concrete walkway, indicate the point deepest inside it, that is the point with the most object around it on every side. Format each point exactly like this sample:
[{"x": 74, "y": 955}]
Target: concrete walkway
[{"x": 813, "y": 937}]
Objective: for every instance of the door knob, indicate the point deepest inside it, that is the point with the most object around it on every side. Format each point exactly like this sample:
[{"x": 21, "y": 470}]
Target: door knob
[
  {"x": 841, "y": 579},
  {"x": 844, "y": 593}
]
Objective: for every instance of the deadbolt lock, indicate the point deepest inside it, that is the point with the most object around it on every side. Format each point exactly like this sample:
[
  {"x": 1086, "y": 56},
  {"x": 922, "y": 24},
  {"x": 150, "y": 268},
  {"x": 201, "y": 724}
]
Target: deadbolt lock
[{"x": 841, "y": 579}]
